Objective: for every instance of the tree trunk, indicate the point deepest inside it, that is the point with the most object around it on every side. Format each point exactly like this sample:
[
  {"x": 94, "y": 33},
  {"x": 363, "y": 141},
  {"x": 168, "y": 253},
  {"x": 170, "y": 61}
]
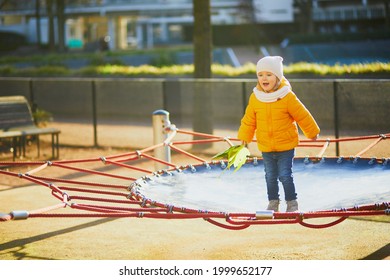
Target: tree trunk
[
  {"x": 202, "y": 107},
  {"x": 202, "y": 39},
  {"x": 387, "y": 15},
  {"x": 49, "y": 4},
  {"x": 38, "y": 22},
  {"x": 61, "y": 25}
]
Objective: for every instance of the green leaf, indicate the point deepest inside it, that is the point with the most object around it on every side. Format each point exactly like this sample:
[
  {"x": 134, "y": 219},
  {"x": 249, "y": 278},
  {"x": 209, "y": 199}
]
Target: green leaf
[
  {"x": 240, "y": 158},
  {"x": 227, "y": 153},
  {"x": 236, "y": 156}
]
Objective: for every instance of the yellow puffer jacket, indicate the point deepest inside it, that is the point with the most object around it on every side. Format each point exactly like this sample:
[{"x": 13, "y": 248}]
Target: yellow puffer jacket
[{"x": 275, "y": 123}]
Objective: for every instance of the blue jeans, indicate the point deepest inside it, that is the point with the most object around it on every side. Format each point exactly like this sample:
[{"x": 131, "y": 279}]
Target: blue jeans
[{"x": 278, "y": 165}]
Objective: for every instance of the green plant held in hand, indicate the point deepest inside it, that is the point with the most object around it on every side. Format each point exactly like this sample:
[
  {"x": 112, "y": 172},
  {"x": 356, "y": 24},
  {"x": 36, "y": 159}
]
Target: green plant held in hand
[{"x": 236, "y": 156}]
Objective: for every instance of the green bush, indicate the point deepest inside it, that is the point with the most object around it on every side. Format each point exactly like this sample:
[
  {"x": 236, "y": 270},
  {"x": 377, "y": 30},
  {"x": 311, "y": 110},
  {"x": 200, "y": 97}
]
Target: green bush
[
  {"x": 247, "y": 70},
  {"x": 338, "y": 69},
  {"x": 7, "y": 70},
  {"x": 109, "y": 64},
  {"x": 51, "y": 71},
  {"x": 163, "y": 59},
  {"x": 11, "y": 40},
  {"x": 42, "y": 117},
  {"x": 164, "y": 66}
]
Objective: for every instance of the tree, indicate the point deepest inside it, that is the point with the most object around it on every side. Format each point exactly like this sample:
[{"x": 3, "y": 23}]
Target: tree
[
  {"x": 60, "y": 8},
  {"x": 305, "y": 8},
  {"x": 38, "y": 21},
  {"x": 3, "y": 3},
  {"x": 202, "y": 105},
  {"x": 202, "y": 39},
  {"x": 248, "y": 11},
  {"x": 56, "y": 8},
  {"x": 387, "y": 14},
  {"x": 49, "y": 9}
]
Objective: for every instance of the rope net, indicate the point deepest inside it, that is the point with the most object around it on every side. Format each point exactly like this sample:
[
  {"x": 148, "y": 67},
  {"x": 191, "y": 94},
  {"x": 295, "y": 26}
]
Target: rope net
[{"x": 114, "y": 184}]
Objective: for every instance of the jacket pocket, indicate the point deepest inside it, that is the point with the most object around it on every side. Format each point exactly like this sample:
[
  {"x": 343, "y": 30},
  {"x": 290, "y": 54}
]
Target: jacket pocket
[{"x": 288, "y": 136}]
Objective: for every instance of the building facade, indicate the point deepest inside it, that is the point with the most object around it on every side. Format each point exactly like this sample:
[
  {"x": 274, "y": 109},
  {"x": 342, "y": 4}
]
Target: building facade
[{"x": 123, "y": 24}]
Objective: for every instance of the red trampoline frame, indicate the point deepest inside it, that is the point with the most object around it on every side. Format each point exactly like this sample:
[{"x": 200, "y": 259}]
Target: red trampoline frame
[{"x": 120, "y": 201}]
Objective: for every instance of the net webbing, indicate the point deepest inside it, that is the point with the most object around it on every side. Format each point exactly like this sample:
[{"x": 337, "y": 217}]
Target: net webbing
[{"x": 109, "y": 190}]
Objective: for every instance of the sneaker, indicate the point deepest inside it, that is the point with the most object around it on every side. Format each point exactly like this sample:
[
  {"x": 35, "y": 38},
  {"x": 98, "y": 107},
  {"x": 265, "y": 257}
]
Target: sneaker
[
  {"x": 292, "y": 206},
  {"x": 273, "y": 205}
]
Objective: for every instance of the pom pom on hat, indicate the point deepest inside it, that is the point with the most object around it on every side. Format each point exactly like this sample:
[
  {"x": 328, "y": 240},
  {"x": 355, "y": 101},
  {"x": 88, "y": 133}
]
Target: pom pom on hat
[{"x": 271, "y": 64}]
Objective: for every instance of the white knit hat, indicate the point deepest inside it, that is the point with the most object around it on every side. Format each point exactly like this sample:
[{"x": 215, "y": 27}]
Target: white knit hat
[{"x": 271, "y": 64}]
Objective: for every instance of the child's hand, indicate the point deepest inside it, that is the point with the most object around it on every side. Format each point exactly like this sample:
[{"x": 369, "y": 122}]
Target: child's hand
[{"x": 314, "y": 138}]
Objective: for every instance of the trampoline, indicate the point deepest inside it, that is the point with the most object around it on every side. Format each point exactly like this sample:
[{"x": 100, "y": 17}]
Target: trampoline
[{"x": 202, "y": 188}]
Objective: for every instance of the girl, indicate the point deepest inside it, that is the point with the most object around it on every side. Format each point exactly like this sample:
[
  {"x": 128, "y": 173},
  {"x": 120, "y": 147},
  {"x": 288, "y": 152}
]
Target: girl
[{"x": 272, "y": 113}]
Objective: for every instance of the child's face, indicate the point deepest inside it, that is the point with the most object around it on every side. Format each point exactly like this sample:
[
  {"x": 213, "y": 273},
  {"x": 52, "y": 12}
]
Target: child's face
[{"x": 267, "y": 81}]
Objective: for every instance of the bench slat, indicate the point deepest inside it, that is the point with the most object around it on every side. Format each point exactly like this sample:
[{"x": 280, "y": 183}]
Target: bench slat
[
  {"x": 16, "y": 121},
  {"x": 14, "y": 115}
]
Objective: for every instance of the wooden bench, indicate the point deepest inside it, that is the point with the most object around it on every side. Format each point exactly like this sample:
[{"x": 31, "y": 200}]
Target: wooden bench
[{"x": 17, "y": 124}]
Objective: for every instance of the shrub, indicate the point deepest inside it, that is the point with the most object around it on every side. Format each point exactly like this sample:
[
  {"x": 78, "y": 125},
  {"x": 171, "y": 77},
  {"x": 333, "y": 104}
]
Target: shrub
[{"x": 10, "y": 40}]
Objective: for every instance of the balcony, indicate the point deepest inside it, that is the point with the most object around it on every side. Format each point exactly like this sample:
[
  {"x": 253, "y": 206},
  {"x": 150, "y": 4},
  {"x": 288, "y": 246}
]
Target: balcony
[
  {"x": 347, "y": 14},
  {"x": 28, "y": 7}
]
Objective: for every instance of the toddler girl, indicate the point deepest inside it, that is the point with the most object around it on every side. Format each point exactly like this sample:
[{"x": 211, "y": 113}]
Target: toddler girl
[{"x": 273, "y": 113}]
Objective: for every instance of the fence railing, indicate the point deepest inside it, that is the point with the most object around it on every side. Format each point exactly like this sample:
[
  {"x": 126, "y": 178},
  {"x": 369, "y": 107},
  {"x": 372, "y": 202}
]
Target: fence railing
[{"x": 360, "y": 105}]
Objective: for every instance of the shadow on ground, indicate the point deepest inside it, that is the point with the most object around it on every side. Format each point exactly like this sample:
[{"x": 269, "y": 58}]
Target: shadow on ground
[{"x": 19, "y": 244}]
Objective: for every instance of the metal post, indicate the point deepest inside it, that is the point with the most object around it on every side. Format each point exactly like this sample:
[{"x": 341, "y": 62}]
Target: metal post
[
  {"x": 94, "y": 115},
  {"x": 161, "y": 124},
  {"x": 336, "y": 116}
]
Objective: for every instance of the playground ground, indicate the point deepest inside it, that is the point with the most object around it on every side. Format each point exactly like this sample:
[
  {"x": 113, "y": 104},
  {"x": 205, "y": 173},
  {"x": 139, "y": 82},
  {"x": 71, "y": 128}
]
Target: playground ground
[{"x": 153, "y": 239}]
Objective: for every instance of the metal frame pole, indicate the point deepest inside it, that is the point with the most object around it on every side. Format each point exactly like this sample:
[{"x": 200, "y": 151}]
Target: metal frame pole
[{"x": 336, "y": 116}]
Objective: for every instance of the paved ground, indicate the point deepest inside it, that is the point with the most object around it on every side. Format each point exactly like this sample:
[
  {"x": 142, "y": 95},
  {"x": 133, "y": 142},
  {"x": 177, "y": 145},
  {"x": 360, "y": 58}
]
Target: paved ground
[{"x": 115, "y": 239}]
